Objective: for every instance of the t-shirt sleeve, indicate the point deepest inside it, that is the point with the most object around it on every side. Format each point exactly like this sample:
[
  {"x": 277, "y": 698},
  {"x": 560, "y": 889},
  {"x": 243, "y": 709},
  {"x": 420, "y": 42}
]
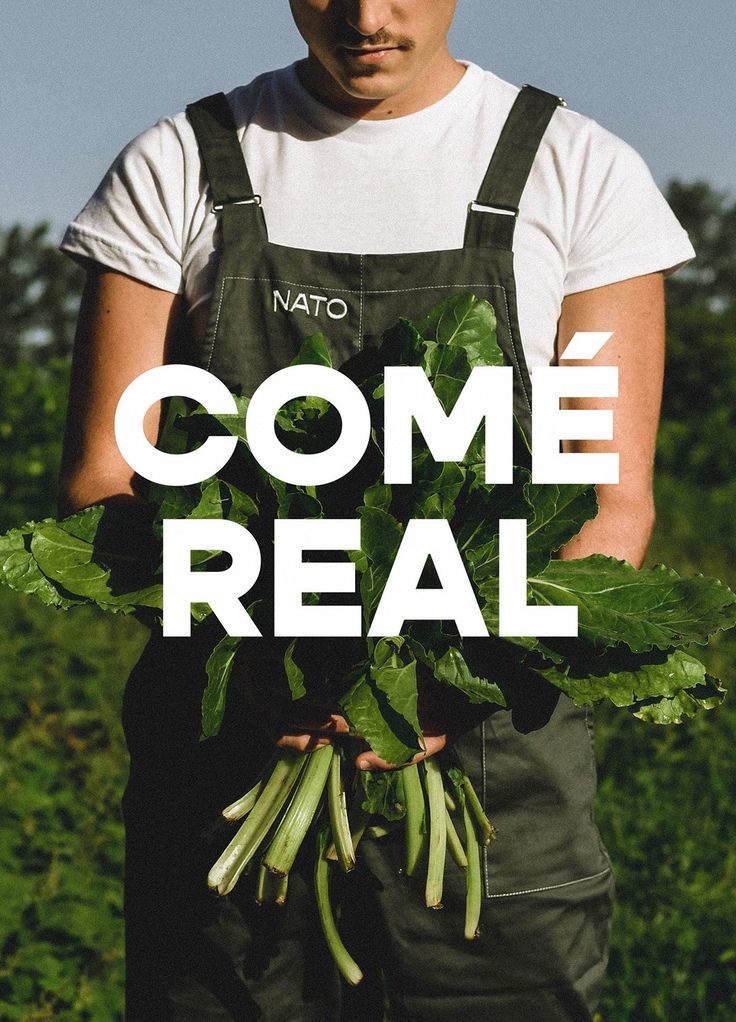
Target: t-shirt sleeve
[
  {"x": 622, "y": 225},
  {"x": 135, "y": 221}
]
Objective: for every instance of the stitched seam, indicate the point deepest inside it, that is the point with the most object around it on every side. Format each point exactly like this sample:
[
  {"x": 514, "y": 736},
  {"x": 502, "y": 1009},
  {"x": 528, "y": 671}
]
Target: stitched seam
[
  {"x": 513, "y": 348},
  {"x": 217, "y": 321},
  {"x": 589, "y": 729},
  {"x": 590, "y": 726},
  {"x": 352, "y": 290},
  {"x": 388, "y": 291},
  {"x": 551, "y": 887},
  {"x": 360, "y": 313},
  {"x": 484, "y": 800},
  {"x": 429, "y": 287}
]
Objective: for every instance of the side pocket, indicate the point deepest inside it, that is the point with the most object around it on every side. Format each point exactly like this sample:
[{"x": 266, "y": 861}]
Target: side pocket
[
  {"x": 590, "y": 725},
  {"x": 537, "y": 786}
]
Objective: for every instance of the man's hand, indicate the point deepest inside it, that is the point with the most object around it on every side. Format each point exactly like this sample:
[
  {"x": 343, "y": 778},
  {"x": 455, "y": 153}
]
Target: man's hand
[
  {"x": 443, "y": 714},
  {"x": 368, "y": 760},
  {"x": 306, "y": 737}
]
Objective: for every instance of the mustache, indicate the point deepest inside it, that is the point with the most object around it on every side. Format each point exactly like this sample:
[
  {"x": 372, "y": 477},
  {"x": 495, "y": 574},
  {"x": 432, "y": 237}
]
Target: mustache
[{"x": 347, "y": 36}]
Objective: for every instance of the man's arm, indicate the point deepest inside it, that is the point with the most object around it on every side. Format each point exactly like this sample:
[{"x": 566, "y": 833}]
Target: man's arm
[
  {"x": 634, "y": 311},
  {"x": 125, "y": 327}
]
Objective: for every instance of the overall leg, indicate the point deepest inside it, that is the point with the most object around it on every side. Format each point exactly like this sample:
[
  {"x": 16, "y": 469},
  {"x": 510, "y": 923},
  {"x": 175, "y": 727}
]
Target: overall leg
[
  {"x": 545, "y": 920},
  {"x": 192, "y": 956}
]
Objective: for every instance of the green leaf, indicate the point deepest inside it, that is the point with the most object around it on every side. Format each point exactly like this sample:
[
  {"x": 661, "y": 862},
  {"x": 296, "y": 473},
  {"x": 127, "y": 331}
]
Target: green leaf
[
  {"x": 380, "y": 793},
  {"x": 399, "y": 683},
  {"x": 20, "y": 571},
  {"x": 476, "y": 526},
  {"x": 468, "y": 322},
  {"x": 559, "y": 514},
  {"x": 684, "y": 704},
  {"x": 200, "y": 424},
  {"x": 388, "y": 649},
  {"x": 378, "y": 495},
  {"x": 295, "y": 503},
  {"x": 371, "y": 716},
  {"x": 219, "y": 499},
  {"x": 313, "y": 351},
  {"x": 80, "y": 567},
  {"x": 380, "y": 539},
  {"x": 294, "y": 673},
  {"x": 84, "y": 524},
  {"x": 435, "y": 488},
  {"x": 309, "y": 415},
  {"x": 380, "y": 535},
  {"x": 173, "y": 502},
  {"x": 172, "y": 437},
  {"x": 448, "y": 369},
  {"x": 452, "y": 669},
  {"x": 242, "y": 506},
  {"x": 653, "y": 675},
  {"x": 644, "y": 609},
  {"x": 219, "y": 669},
  {"x": 211, "y": 502},
  {"x": 401, "y": 345}
]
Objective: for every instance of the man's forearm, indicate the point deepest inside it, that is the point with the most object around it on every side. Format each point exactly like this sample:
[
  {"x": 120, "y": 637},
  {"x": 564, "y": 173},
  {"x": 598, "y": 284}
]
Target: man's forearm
[{"x": 621, "y": 529}]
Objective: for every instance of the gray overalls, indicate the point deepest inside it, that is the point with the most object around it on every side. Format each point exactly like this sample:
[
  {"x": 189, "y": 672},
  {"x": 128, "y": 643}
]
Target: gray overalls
[{"x": 548, "y": 885}]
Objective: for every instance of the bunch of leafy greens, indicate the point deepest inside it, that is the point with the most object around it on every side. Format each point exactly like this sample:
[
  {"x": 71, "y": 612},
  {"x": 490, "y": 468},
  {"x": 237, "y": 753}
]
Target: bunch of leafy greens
[{"x": 636, "y": 628}]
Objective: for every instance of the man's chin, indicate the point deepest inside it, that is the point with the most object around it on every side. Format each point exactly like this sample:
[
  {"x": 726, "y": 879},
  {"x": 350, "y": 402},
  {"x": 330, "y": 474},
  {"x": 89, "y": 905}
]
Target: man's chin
[
  {"x": 351, "y": 87},
  {"x": 371, "y": 84}
]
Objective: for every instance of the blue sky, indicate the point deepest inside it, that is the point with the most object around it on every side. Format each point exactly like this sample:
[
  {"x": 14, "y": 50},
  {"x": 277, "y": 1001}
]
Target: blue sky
[{"x": 82, "y": 77}]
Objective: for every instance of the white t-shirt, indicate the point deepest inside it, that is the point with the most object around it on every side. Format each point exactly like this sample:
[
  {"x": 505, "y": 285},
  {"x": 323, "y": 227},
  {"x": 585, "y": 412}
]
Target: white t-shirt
[{"x": 590, "y": 214}]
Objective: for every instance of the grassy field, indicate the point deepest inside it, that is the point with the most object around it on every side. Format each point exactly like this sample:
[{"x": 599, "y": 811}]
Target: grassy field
[
  {"x": 667, "y": 813},
  {"x": 61, "y": 837},
  {"x": 665, "y": 809}
]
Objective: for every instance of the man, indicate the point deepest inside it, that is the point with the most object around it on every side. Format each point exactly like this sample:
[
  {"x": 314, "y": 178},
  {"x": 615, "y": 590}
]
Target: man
[{"x": 378, "y": 142}]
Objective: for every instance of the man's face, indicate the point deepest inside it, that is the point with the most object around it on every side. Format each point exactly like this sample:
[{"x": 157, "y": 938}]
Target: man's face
[{"x": 363, "y": 53}]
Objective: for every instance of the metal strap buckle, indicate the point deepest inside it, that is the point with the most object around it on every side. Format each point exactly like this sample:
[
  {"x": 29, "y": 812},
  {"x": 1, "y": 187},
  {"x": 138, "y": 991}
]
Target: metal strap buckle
[
  {"x": 526, "y": 85},
  {"x": 478, "y": 207},
  {"x": 216, "y": 207}
]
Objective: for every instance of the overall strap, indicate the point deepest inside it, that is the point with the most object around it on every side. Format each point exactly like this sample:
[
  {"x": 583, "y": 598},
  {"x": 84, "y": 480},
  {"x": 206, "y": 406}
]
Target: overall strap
[
  {"x": 492, "y": 217},
  {"x": 224, "y": 166}
]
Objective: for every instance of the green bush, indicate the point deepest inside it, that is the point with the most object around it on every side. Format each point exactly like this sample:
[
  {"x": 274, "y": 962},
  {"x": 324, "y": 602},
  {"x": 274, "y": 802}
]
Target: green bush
[
  {"x": 61, "y": 835},
  {"x": 667, "y": 815},
  {"x": 32, "y": 413}
]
